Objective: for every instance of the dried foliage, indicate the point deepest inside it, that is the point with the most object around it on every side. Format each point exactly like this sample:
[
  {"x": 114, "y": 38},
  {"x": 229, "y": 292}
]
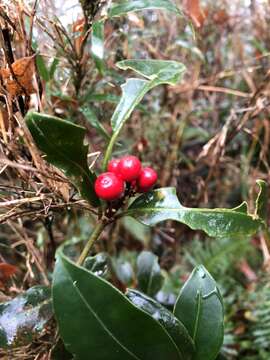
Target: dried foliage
[
  {"x": 209, "y": 136},
  {"x": 18, "y": 79}
]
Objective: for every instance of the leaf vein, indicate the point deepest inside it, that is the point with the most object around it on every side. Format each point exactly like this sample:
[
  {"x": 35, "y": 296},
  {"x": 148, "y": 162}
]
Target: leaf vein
[{"x": 105, "y": 328}]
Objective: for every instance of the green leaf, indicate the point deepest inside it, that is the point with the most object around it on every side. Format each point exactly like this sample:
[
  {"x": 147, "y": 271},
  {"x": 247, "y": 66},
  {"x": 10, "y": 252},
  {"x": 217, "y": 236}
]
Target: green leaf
[
  {"x": 173, "y": 326},
  {"x": 160, "y": 71},
  {"x": 136, "y": 229},
  {"x": 137, "y": 5},
  {"x": 149, "y": 275},
  {"x": 106, "y": 324},
  {"x": 157, "y": 72},
  {"x": 124, "y": 272},
  {"x": 25, "y": 317},
  {"x": 163, "y": 204},
  {"x": 98, "y": 264},
  {"x": 262, "y": 200},
  {"x": 42, "y": 68},
  {"x": 97, "y": 48},
  {"x": 53, "y": 67},
  {"x": 243, "y": 208},
  {"x": 132, "y": 93},
  {"x": 199, "y": 307},
  {"x": 93, "y": 120},
  {"x": 59, "y": 352},
  {"x": 62, "y": 142}
]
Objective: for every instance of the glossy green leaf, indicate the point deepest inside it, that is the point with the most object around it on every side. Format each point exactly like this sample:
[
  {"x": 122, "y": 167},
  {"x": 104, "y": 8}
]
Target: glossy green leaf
[
  {"x": 93, "y": 120},
  {"x": 173, "y": 326},
  {"x": 199, "y": 307},
  {"x": 97, "y": 321},
  {"x": 160, "y": 71},
  {"x": 262, "y": 201},
  {"x": 137, "y": 5},
  {"x": 24, "y": 317},
  {"x": 157, "y": 72},
  {"x": 137, "y": 230},
  {"x": 42, "y": 68},
  {"x": 62, "y": 142},
  {"x": 243, "y": 208},
  {"x": 98, "y": 264},
  {"x": 124, "y": 272},
  {"x": 149, "y": 275},
  {"x": 59, "y": 352},
  {"x": 97, "y": 47},
  {"x": 132, "y": 93},
  {"x": 163, "y": 204}
]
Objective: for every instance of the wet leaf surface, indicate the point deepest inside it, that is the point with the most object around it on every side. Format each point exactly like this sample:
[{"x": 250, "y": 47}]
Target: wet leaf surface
[
  {"x": 163, "y": 204},
  {"x": 149, "y": 275},
  {"x": 160, "y": 71},
  {"x": 199, "y": 307},
  {"x": 25, "y": 317},
  {"x": 156, "y": 71},
  {"x": 105, "y": 324},
  {"x": 98, "y": 264},
  {"x": 173, "y": 326}
]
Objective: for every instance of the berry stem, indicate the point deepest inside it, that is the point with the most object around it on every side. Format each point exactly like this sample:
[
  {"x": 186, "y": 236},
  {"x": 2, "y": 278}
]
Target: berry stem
[{"x": 94, "y": 236}]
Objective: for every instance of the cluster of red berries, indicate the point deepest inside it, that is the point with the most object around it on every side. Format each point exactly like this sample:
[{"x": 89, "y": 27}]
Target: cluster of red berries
[{"x": 111, "y": 185}]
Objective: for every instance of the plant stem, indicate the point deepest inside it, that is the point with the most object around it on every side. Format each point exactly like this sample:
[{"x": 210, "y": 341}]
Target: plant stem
[
  {"x": 94, "y": 236},
  {"x": 109, "y": 150}
]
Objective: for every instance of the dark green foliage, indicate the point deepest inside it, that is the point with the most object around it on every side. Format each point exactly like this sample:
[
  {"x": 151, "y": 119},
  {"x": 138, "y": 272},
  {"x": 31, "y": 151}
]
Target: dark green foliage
[
  {"x": 25, "y": 317},
  {"x": 63, "y": 144},
  {"x": 100, "y": 315}
]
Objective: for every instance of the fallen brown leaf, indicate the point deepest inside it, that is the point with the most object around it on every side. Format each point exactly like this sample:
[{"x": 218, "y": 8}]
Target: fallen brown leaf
[
  {"x": 6, "y": 271},
  {"x": 23, "y": 70}
]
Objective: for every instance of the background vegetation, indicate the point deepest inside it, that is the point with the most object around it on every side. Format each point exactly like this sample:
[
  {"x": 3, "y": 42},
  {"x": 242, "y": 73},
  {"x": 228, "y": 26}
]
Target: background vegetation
[{"x": 209, "y": 136}]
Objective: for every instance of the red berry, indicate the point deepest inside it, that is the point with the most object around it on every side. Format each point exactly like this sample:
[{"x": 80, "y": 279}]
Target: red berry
[
  {"x": 129, "y": 168},
  {"x": 147, "y": 179},
  {"x": 108, "y": 186},
  {"x": 113, "y": 166}
]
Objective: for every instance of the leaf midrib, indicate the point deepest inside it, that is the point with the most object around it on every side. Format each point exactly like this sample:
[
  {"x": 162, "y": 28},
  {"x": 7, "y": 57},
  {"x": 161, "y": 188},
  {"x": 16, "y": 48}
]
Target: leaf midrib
[
  {"x": 118, "y": 126},
  {"x": 105, "y": 328},
  {"x": 182, "y": 208},
  {"x": 198, "y": 313},
  {"x": 82, "y": 170}
]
